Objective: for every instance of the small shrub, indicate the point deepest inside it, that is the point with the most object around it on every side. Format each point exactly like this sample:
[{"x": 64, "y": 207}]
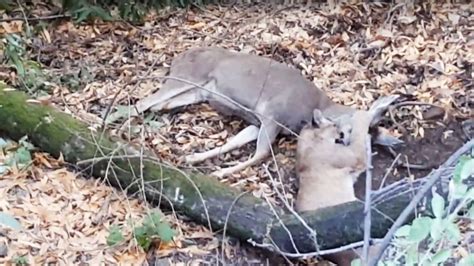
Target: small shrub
[
  {"x": 432, "y": 239},
  {"x": 153, "y": 228}
]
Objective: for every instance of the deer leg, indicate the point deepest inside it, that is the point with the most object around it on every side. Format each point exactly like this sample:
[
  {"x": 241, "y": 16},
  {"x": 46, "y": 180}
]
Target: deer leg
[
  {"x": 245, "y": 136},
  {"x": 156, "y": 101},
  {"x": 183, "y": 99},
  {"x": 266, "y": 136},
  {"x": 384, "y": 138}
]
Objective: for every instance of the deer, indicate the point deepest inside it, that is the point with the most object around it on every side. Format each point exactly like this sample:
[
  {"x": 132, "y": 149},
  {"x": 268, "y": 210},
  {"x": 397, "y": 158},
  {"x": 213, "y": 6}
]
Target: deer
[
  {"x": 326, "y": 181},
  {"x": 271, "y": 96}
]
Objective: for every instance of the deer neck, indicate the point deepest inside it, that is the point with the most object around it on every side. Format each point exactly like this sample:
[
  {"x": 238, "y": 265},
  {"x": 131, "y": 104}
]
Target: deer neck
[{"x": 334, "y": 110}]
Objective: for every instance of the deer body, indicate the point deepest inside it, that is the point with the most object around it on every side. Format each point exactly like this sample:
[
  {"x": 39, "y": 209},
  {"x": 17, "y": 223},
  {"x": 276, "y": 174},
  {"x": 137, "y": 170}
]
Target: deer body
[{"x": 265, "y": 93}]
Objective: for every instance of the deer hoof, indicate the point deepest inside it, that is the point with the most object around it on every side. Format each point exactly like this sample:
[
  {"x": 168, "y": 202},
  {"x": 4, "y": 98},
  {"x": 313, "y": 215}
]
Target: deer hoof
[
  {"x": 218, "y": 174},
  {"x": 192, "y": 159}
]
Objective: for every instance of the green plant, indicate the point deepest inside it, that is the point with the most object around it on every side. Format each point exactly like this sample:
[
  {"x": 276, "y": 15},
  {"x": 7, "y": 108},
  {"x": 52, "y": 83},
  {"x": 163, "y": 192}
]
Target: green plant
[
  {"x": 152, "y": 228},
  {"x": 18, "y": 155},
  {"x": 29, "y": 72},
  {"x": 20, "y": 260},
  {"x": 431, "y": 239},
  {"x": 115, "y": 236},
  {"x": 82, "y": 10}
]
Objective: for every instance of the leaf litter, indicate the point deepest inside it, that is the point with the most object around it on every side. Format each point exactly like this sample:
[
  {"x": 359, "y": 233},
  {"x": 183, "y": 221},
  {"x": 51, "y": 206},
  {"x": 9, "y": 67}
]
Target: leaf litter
[{"x": 354, "y": 51}]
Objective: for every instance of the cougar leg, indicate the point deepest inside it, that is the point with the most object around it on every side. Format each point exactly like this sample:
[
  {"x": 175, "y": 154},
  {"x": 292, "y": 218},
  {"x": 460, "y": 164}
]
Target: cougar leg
[
  {"x": 266, "y": 136},
  {"x": 245, "y": 136}
]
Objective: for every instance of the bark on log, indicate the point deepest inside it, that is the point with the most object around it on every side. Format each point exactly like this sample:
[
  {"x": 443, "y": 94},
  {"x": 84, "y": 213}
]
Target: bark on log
[{"x": 250, "y": 218}]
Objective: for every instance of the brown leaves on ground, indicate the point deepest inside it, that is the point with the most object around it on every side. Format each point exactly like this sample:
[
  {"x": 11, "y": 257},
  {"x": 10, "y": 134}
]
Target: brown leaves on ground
[
  {"x": 66, "y": 221},
  {"x": 355, "y": 51}
]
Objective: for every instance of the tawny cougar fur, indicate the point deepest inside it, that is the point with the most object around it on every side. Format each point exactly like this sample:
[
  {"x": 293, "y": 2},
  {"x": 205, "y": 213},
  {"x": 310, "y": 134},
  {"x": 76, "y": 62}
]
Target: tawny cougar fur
[
  {"x": 327, "y": 169},
  {"x": 271, "y": 92}
]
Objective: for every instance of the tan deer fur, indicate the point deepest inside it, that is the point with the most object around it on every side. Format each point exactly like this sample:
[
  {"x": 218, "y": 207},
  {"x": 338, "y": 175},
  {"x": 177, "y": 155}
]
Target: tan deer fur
[
  {"x": 271, "y": 92},
  {"x": 328, "y": 169}
]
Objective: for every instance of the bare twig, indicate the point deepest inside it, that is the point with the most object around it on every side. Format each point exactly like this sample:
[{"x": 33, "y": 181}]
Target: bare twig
[
  {"x": 409, "y": 103},
  {"x": 389, "y": 170},
  {"x": 311, "y": 254},
  {"x": 227, "y": 220},
  {"x": 50, "y": 17},
  {"x": 282, "y": 224},
  {"x": 367, "y": 203},
  {"x": 312, "y": 232},
  {"x": 24, "y": 15}
]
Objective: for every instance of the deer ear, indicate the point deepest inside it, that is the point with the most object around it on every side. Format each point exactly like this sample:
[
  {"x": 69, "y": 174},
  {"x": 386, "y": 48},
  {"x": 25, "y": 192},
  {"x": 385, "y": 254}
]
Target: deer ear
[{"x": 318, "y": 119}]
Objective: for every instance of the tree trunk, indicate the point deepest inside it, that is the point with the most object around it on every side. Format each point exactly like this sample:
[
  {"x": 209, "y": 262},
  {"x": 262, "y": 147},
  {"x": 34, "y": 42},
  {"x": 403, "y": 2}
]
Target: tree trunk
[{"x": 200, "y": 197}]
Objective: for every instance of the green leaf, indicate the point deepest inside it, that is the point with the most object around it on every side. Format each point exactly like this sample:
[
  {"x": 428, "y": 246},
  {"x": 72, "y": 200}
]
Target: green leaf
[
  {"x": 122, "y": 111},
  {"x": 437, "y": 229},
  {"x": 152, "y": 220},
  {"x": 3, "y": 169},
  {"x": 403, "y": 231},
  {"x": 470, "y": 213},
  {"x": 441, "y": 257},
  {"x": 437, "y": 205},
  {"x": 467, "y": 261},
  {"x": 356, "y": 262},
  {"x": 21, "y": 260},
  {"x": 469, "y": 195},
  {"x": 452, "y": 229},
  {"x": 467, "y": 169},
  {"x": 10, "y": 221},
  {"x": 458, "y": 169},
  {"x": 165, "y": 232},
  {"x": 115, "y": 236},
  {"x": 460, "y": 191},
  {"x": 142, "y": 238},
  {"x": 412, "y": 255},
  {"x": 22, "y": 156},
  {"x": 420, "y": 229}
]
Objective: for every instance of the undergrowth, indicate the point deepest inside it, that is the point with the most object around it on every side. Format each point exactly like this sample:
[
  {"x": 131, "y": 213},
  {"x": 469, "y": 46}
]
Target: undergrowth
[{"x": 435, "y": 238}]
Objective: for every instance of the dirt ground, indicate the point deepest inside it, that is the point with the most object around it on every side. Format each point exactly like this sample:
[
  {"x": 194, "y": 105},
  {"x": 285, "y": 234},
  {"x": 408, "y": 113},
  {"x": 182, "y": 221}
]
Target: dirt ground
[{"x": 429, "y": 152}]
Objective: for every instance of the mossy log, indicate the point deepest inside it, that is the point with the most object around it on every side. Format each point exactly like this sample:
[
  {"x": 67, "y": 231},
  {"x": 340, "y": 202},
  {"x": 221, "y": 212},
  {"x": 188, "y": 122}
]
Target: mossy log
[{"x": 202, "y": 198}]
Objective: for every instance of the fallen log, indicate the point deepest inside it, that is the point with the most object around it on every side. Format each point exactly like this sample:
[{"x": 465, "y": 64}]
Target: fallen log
[{"x": 202, "y": 198}]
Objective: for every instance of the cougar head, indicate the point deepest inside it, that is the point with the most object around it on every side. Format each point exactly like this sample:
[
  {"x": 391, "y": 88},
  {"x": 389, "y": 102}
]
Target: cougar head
[{"x": 327, "y": 128}]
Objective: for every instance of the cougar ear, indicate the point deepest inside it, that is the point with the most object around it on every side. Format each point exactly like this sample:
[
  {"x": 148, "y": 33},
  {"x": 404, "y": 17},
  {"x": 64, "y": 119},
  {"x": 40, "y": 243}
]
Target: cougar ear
[{"x": 319, "y": 120}]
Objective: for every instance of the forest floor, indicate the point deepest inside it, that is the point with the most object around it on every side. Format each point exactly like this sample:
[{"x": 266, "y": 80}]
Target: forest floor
[{"x": 354, "y": 52}]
